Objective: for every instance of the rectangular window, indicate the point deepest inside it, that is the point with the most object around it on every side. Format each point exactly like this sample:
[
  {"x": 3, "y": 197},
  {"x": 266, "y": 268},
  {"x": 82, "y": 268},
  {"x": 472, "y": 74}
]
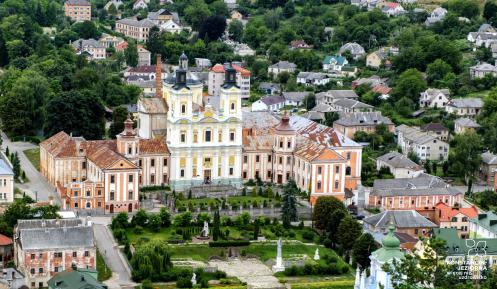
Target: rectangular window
[
  {"x": 87, "y": 254},
  {"x": 88, "y": 193},
  {"x": 319, "y": 170},
  {"x": 257, "y": 158},
  {"x": 220, "y": 136},
  {"x": 183, "y": 137},
  {"x": 164, "y": 161},
  {"x": 289, "y": 144},
  {"x": 152, "y": 162},
  {"x": 83, "y": 165},
  {"x": 152, "y": 178},
  {"x": 75, "y": 205},
  {"x": 244, "y": 159},
  {"x": 231, "y": 171},
  {"x": 280, "y": 160},
  {"x": 269, "y": 158},
  {"x": 33, "y": 256},
  {"x": 337, "y": 169},
  {"x": 74, "y": 254},
  {"x": 112, "y": 179},
  {"x": 130, "y": 195},
  {"x": 40, "y": 270},
  {"x": 139, "y": 162},
  {"x": 99, "y": 192},
  {"x": 207, "y": 136},
  {"x": 130, "y": 178},
  {"x": 182, "y": 173},
  {"x": 244, "y": 175},
  {"x": 111, "y": 197},
  {"x": 232, "y": 136}
]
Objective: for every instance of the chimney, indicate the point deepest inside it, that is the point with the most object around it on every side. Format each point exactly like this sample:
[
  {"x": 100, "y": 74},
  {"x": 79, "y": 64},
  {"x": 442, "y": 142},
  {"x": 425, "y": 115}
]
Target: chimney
[{"x": 158, "y": 77}]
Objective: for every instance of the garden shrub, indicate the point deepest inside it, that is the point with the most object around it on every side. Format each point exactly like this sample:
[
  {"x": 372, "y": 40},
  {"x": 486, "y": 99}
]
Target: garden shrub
[
  {"x": 291, "y": 234},
  {"x": 138, "y": 230},
  {"x": 308, "y": 235},
  {"x": 184, "y": 282}
]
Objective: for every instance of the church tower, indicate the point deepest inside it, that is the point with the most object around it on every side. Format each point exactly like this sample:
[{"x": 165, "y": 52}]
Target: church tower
[
  {"x": 128, "y": 140},
  {"x": 183, "y": 61},
  {"x": 283, "y": 147}
]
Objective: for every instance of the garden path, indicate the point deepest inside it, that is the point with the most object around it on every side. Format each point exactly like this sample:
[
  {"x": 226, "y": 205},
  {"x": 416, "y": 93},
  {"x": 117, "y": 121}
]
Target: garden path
[{"x": 252, "y": 271}]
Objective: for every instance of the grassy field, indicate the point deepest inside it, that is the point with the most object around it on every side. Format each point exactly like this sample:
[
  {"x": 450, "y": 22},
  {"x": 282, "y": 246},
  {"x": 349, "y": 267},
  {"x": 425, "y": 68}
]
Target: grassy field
[
  {"x": 104, "y": 272},
  {"x": 33, "y": 156}
]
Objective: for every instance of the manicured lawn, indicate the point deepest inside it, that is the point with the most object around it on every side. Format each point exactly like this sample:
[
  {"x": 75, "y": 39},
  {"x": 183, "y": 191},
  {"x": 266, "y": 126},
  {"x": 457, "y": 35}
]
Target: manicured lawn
[
  {"x": 104, "y": 272},
  {"x": 33, "y": 156}
]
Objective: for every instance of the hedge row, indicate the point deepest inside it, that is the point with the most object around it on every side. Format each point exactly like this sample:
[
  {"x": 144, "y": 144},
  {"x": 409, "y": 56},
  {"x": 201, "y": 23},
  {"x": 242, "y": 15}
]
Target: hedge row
[
  {"x": 229, "y": 243},
  {"x": 337, "y": 284}
]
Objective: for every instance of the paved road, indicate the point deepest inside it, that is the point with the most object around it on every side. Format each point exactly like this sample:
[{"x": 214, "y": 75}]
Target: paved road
[
  {"x": 37, "y": 187},
  {"x": 112, "y": 255}
]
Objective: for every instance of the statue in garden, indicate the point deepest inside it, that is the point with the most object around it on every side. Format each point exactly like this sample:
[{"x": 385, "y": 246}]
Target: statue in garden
[
  {"x": 278, "y": 267},
  {"x": 194, "y": 279},
  {"x": 316, "y": 254},
  {"x": 205, "y": 230}
]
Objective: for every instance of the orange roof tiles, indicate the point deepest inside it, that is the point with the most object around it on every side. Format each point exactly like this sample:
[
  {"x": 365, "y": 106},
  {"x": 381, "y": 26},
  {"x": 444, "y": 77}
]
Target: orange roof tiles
[
  {"x": 4, "y": 240},
  {"x": 447, "y": 212},
  {"x": 153, "y": 146},
  {"x": 219, "y": 68},
  {"x": 310, "y": 150},
  {"x": 257, "y": 142},
  {"x": 104, "y": 157}
]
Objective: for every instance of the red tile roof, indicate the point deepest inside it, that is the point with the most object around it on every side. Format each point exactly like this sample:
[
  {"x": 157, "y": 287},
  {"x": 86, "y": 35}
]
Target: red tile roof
[
  {"x": 219, "y": 68},
  {"x": 153, "y": 146},
  {"x": 391, "y": 5},
  {"x": 310, "y": 151},
  {"x": 382, "y": 89},
  {"x": 4, "y": 240},
  {"x": 447, "y": 212}
]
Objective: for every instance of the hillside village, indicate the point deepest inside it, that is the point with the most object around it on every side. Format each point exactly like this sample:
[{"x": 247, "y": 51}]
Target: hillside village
[{"x": 248, "y": 144}]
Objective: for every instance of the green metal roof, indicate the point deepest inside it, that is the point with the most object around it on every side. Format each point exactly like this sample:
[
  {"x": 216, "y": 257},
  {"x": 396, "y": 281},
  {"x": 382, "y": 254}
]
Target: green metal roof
[
  {"x": 391, "y": 248},
  {"x": 79, "y": 279},
  {"x": 456, "y": 246},
  {"x": 487, "y": 220},
  {"x": 339, "y": 59}
]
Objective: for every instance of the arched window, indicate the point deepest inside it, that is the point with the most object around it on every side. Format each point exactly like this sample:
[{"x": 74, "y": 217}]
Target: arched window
[
  {"x": 348, "y": 171},
  {"x": 336, "y": 184}
]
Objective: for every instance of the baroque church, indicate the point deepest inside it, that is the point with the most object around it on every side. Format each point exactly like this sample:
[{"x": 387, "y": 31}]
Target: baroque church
[{"x": 185, "y": 138}]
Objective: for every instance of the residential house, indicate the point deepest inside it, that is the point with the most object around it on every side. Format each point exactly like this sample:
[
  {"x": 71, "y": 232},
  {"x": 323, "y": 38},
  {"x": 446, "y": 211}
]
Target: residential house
[
  {"x": 482, "y": 69},
  {"x": 45, "y": 247},
  {"x": 281, "y": 66},
  {"x": 392, "y": 9},
  {"x": 425, "y": 145},
  {"x": 166, "y": 21},
  {"x": 404, "y": 221},
  {"x": 217, "y": 77},
  {"x": 78, "y": 10},
  {"x": 355, "y": 49},
  {"x": 143, "y": 56},
  {"x": 334, "y": 63},
  {"x": 317, "y": 113},
  {"x": 383, "y": 91},
  {"x": 134, "y": 28},
  {"x": 381, "y": 57},
  {"x": 420, "y": 193},
  {"x": 399, "y": 165},
  {"x": 371, "y": 81},
  {"x": 270, "y": 88},
  {"x": 299, "y": 44},
  {"x": 455, "y": 217},
  {"x": 488, "y": 167},
  {"x": 203, "y": 63},
  {"x": 464, "y": 124},
  {"x": 110, "y": 40},
  {"x": 348, "y": 105},
  {"x": 483, "y": 226},
  {"x": 295, "y": 98},
  {"x": 242, "y": 49},
  {"x": 350, "y": 123},
  {"x": 6, "y": 182},
  {"x": 328, "y": 97},
  {"x": 140, "y": 4},
  {"x": 465, "y": 106},
  {"x": 92, "y": 48},
  {"x": 437, "y": 15},
  {"x": 231, "y": 4},
  {"x": 269, "y": 103},
  {"x": 147, "y": 86},
  {"x": 116, "y": 3},
  {"x": 10, "y": 278},
  {"x": 369, "y": 4},
  {"x": 6, "y": 250},
  {"x": 435, "y": 98},
  {"x": 313, "y": 78},
  {"x": 437, "y": 128},
  {"x": 76, "y": 278}
]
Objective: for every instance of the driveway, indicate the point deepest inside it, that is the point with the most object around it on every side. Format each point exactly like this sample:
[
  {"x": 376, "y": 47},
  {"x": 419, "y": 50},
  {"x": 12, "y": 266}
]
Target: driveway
[
  {"x": 37, "y": 187},
  {"x": 112, "y": 255}
]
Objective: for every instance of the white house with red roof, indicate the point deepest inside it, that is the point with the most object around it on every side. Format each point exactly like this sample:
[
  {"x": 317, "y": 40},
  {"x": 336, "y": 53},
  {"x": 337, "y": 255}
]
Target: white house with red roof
[
  {"x": 393, "y": 9},
  {"x": 217, "y": 78}
]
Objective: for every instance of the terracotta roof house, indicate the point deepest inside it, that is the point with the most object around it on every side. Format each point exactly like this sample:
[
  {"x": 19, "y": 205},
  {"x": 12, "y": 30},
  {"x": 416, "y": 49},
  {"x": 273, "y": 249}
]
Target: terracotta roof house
[
  {"x": 299, "y": 44},
  {"x": 455, "y": 217}
]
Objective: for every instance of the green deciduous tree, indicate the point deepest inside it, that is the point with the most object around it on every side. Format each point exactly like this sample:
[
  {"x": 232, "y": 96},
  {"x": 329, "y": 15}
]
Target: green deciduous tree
[
  {"x": 78, "y": 112},
  {"x": 119, "y": 115},
  {"x": 466, "y": 152},
  {"x": 235, "y": 30},
  {"x": 410, "y": 84},
  {"x": 323, "y": 209},
  {"x": 362, "y": 249},
  {"x": 150, "y": 261},
  {"x": 348, "y": 232},
  {"x": 131, "y": 54}
]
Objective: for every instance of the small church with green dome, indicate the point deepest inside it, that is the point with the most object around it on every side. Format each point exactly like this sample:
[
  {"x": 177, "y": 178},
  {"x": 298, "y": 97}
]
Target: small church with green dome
[{"x": 386, "y": 254}]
